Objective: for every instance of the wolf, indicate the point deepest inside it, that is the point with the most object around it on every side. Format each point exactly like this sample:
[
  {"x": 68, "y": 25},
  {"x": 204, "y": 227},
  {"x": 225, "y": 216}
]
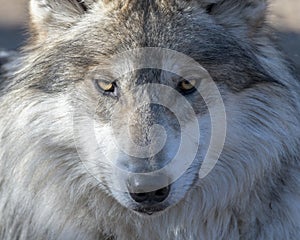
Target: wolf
[{"x": 106, "y": 124}]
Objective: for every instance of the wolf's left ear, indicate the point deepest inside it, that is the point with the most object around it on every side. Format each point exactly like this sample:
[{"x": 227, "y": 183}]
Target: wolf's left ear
[
  {"x": 50, "y": 16},
  {"x": 243, "y": 15}
]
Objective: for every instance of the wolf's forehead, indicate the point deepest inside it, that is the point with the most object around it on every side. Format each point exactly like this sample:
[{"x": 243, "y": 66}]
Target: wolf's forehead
[
  {"x": 189, "y": 32},
  {"x": 144, "y": 25}
]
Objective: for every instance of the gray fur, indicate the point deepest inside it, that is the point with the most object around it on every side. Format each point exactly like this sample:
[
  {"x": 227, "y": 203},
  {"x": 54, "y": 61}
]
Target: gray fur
[{"x": 48, "y": 102}]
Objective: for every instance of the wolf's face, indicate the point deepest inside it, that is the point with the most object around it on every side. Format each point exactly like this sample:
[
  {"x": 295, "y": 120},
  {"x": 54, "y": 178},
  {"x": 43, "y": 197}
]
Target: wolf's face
[
  {"x": 142, "y": 115},
  {"x": 140, "y": 136}
]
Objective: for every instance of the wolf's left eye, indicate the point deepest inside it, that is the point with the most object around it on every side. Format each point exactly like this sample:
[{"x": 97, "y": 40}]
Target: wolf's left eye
[
  {"x": 187, "y": 87},
  {"x": 106, "y": 87}
]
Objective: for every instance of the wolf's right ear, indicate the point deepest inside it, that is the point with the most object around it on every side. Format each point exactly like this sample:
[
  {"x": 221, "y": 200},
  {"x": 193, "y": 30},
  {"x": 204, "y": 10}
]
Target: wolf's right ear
[
  {"x": 50, "y": 16},
  {"x": 240, "y": 16}
]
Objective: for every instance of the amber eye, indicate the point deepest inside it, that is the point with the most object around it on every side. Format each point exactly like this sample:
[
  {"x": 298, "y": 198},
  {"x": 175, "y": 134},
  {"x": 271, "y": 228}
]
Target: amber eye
[
  {"x": 106, "y": 87},
  {"x": 187, "y": 87}
]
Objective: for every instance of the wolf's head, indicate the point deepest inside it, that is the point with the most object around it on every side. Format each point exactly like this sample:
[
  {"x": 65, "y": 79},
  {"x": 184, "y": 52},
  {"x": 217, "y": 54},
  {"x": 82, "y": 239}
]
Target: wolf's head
[{"x": 145, "y": 83}]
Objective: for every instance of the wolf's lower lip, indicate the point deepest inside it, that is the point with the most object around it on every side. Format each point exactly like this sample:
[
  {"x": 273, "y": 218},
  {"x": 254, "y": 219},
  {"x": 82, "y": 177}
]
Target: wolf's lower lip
[{"x": 150, "y": 210}]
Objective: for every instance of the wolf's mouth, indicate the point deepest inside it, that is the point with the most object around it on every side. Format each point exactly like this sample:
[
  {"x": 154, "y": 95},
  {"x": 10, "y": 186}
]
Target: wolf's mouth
[{"x": 150, "y": 210}]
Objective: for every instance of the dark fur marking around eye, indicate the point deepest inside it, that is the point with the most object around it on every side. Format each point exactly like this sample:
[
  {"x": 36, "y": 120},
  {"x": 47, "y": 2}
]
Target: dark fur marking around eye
[
  {"x": 82, "y": 5},
  {"x": 210, "y": 8}
]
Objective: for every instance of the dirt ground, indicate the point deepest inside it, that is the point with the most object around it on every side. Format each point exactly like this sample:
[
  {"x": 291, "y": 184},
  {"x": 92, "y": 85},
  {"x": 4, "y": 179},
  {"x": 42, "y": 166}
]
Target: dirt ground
[{"x": 284, "y": 16}]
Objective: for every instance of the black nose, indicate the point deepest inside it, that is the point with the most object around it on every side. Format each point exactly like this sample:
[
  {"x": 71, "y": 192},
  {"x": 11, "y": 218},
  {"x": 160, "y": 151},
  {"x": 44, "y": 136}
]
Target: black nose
[
  {"x": 157, "y": 196},
  {"x": 147, "y": 190}
]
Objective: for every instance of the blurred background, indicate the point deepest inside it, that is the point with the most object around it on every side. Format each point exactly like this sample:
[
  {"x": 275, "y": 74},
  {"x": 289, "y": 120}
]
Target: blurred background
[{"x": 285, "y": 17}]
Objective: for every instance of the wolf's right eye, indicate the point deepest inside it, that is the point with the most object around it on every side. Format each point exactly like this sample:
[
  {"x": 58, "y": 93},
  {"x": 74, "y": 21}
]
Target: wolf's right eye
[
  {"x": 187, "y": 87},
  {"x": 106, "y": 87}
]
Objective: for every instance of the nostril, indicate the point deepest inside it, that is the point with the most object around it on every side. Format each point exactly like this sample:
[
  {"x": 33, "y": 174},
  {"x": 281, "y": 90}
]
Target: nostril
[
  {"x": 161, "y": 194},
  {"x": 139, "y": 197}
]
